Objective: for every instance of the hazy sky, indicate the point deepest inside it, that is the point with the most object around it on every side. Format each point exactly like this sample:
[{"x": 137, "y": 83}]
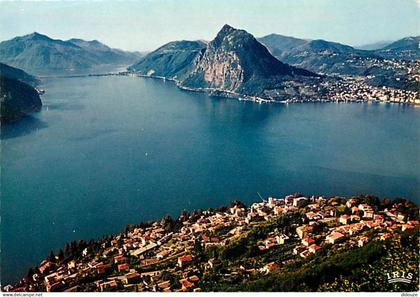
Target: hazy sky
[{"x": 147, "y": 24}]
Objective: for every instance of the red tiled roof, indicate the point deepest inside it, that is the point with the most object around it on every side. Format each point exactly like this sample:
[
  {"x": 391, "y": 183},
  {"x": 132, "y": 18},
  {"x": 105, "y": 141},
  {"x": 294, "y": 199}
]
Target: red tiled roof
[
  {"x": 123, "y": 267},
  {"x": 314, "y": 247},
  {"x": 132, "y": 275},
  {"x": 335, "y": 235},
  {"x": 185, "y": 283},
  {"x": 187, "y": 258},
  {"x": 308, "y": 240}
]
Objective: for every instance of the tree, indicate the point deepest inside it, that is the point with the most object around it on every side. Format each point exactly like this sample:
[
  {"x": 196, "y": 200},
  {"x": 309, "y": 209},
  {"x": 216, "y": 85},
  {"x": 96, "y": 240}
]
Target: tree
[
  {"x": 238, "y": 204},
  {"x": 60, "y": 255},
  {"x": 31, "y": 272},
  {"x": 371, "y": 200},
  {"x": 51, "y": 257}
]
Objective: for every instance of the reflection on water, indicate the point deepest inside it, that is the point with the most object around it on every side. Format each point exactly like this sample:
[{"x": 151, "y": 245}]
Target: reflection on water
[
  {"x": 63, "y": 106},
  {"x": 23, "y": 127}
]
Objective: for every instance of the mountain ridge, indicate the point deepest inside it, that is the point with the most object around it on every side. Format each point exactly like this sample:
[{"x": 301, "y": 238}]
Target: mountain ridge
[
  {"x": 332, "y": 58},
  {"x": 42, "y": 55}
]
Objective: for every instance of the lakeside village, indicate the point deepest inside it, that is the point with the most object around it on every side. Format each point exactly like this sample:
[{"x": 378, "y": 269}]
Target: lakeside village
[
  {"x": 177, "y": 254},
  {"x": 357, "y": 88}
]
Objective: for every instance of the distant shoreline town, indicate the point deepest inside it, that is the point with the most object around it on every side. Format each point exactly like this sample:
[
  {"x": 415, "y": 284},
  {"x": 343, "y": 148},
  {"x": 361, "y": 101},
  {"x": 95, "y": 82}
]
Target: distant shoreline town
[
  {"x": 237, "y": 247},
  {"x": 346, "y": 90}
]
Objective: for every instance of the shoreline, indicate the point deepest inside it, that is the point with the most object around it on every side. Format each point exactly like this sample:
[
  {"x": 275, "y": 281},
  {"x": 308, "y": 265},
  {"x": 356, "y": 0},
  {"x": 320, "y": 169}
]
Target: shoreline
[
  {"x": 232, "y": 95},
  {"x": 229, "y": 94}
]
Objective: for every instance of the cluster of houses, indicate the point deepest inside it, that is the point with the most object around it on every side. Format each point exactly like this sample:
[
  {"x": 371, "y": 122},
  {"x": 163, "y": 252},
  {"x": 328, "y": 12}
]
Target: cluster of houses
[
  {"x": 355, "y": 89},
  {"x": 350, "y": 227},
  {"x": 153, "y": 259}
]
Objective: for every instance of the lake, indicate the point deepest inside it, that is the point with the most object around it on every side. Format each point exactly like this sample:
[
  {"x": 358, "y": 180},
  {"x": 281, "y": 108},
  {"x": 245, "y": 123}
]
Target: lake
[{"x": 109, "y": 151}]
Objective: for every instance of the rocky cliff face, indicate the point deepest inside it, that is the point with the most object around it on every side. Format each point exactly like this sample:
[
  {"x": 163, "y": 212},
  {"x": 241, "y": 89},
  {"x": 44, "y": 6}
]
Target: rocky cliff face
[{"x": 235, "y": 61}]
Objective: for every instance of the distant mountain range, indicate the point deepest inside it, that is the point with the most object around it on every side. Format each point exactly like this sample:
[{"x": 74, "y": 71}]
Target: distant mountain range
[
  {"x": 18, "y": 97},
  {"x": 42, "y": 55},
  {"x": 234, "y": 63},
  {"x": 326, "y": 56},
  {"x": 373, "y": 46},
  {"x": 330, "y": 57},
  {"x": 333, "y": 58},
  {"x": 406, "y": 49},
  {"x": 317, "y": 55}
]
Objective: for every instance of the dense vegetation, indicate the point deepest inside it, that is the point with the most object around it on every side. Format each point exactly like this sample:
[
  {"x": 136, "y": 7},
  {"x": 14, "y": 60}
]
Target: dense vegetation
[
  {"x": 17, "y": 99},
  {"x": 359, "y": 269}
]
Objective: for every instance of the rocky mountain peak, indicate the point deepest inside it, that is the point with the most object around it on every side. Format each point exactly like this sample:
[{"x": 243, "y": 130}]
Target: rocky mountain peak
[
  {"x": 37, "y": 36},
  {"x": 235, "y": 58},
  {"x": 229, "y": 37}
]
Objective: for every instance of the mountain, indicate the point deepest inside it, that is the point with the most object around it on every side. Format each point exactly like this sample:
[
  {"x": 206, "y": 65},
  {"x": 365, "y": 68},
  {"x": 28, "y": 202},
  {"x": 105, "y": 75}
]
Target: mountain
[
  {"x": 320, "y": 56},
  {"x": 105, "y": 54},
  {"x": 233, "y": 64},
  {"x": 333, "y": 58},
  {"x": 172, "y": 60},
  {"x": 17, "y": 97},
  {"x": 373, "y": 46},
  {"x": 405, "y": 49},
  {"x": 236, "y": 62},
  {"x": 278, "y": 44},
  {"x": 42, "y": 55},
  {"x": 18, "y": 74}
]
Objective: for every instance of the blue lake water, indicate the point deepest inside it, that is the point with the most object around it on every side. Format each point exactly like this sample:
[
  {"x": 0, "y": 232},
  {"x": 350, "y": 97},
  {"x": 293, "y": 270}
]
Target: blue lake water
[{"x": 109, "y": 151}]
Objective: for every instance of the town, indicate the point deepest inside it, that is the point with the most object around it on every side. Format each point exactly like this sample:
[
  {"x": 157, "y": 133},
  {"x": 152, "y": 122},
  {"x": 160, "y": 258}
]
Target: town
[{"x": 174, "y": 255}]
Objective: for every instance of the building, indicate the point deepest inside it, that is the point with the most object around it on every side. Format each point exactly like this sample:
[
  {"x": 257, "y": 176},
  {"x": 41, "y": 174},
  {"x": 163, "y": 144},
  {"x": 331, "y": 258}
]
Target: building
[
  {"x": 184, "y": 261},
  {"x": 186, "y": 284},
  {"x": 351, "y": 202},
  {"x": 46, "y": 266},
  {"x": 300, "y": 202},
  {"x": 162, "y": 254},
  {"x": 344, "y": 219},
  {"x": 303, "y": 231},
  {"x": 109, "y": 286},
  {"x": 104, "y": 268},
  {"x": 123, "y": 267},
  {"x": 213, "y": 262},
  {"x": 131, "y": 278},
  {"x": 119, "y": 259},
  {"x": 314, "y": 248},
  {"x": 281, "y": 239},
  {"x": 307, "y": 241},
  {"x": 312, "y": 216},
  {"x": 270, "y": 267},
  {"x": 335, "y": 237},
  {"x": 362, "y": 241}
]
